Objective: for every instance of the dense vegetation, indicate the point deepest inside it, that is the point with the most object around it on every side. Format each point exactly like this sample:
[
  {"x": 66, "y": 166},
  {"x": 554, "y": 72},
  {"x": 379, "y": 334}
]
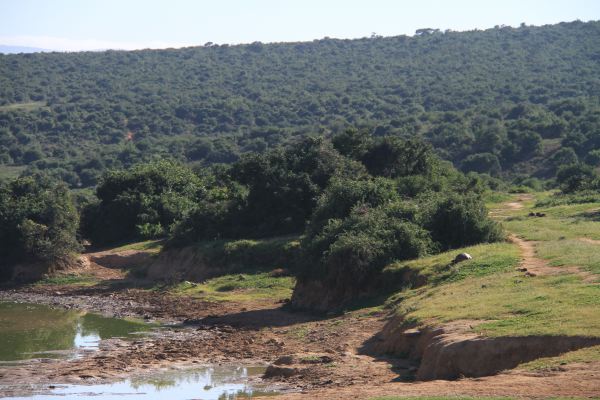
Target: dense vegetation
[
  {"x": 359, "y": 201},
  {"x": 38, "y": 223},
  {"x": 510, "y": 102}
]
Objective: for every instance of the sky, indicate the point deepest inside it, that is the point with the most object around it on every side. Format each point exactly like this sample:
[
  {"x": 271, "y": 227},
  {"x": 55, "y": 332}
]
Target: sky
[{"x": 73, "y": 25}]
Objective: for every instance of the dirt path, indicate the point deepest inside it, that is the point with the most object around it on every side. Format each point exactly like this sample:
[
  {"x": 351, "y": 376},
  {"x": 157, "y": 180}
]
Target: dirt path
[
  {"x": 530, "y": 263},
  {"x": 515, "y": 205},
  {"x": 589, "y": 241},
  {"x": 532, "y": 266},
  {"x": 518, "y": 203}
]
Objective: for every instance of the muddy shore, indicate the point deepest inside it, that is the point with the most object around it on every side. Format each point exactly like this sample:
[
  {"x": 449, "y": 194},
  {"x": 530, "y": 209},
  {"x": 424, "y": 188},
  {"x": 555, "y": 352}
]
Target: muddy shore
[
  {"x": 311, "y": 356},
  {"x": 194, "y": 332}
]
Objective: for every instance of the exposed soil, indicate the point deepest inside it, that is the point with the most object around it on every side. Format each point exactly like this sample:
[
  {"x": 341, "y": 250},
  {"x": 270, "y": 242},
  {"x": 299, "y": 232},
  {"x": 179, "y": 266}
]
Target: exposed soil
[
  {"x": 313, "y": 357},
  {"x": 518, "y": 204},
  {"x": 590, "y": 241},
  {"x": 533, "y": 266}
]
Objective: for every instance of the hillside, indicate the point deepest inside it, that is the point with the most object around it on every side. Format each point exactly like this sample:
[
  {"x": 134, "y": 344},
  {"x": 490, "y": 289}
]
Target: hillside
[{"x": 498, "y": 101}]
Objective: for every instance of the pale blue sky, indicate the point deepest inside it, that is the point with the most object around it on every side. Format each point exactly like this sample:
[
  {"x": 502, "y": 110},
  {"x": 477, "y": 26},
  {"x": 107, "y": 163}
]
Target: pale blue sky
[{"x": 127, "y": 24}]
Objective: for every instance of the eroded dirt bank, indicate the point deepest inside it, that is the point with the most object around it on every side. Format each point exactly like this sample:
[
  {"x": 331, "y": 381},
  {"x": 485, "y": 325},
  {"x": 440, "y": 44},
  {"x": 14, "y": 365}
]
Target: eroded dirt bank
[
  {"x": 317, "y": 358},
  {"x": 452, "y": 350},
  {"x": 359, "y": 354}
]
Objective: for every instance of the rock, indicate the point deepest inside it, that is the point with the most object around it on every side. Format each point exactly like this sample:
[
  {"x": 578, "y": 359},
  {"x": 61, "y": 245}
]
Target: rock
[
  {"x": 285, "y": 360},
  {"x": 279, "y": 272},
  {"x": 462, "y": 257},
  {"x": 530, "y": 274},
  {"x": 414, "y": 332},
  {"x": 274, "y": 371}
]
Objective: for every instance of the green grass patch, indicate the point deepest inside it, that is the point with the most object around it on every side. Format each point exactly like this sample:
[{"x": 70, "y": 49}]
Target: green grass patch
[
  {"x": 492, "y": 198},
  {"x": 487, "y": 259},
  {"x": 511, "y": 303},
  {"x": 11, "y": 171},
  {"x": 586, "y": 355},
  {"x": 29, "y": 106},
  {"x": 560, "y": 222},
  {"x": 75, "y": 280},
  {"x": 239, "y": 287},
  {"x": 246, "y": 254},
  {"x": 152, "y": 246},
  {"x": 571, "y": 252}
]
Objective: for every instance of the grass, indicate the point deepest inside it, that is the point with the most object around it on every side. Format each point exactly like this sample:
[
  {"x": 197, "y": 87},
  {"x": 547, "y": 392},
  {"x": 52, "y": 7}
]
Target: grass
[
  {"x": 75, "y": 280},
  {"x": 489, "y": 289},
  {"x": 560, "y": 222},
  {"x": 584, "y": 355},
  {"x": 491, "y": 197},
  {"x": 487, "y": 259},
  {"x": 153, "y": 246},
  {"x": 28, "y": 106},
  {"x": 239, "y": 287},
  {"x": 11, "y": 171},
  {"x": 245, "y": 254},
  {"x": 571, "y": 252}
]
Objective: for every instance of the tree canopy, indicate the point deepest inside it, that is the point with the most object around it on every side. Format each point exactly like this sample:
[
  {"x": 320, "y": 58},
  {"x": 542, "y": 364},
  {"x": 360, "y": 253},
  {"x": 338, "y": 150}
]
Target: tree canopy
[{"x": 498, "y": 101}]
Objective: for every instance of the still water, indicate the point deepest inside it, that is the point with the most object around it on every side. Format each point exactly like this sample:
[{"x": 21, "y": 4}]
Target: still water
[
  {"x": 30, "y": 331},
  {"x": 34, "y": 331},
  {"x": 218, "y": 383}
]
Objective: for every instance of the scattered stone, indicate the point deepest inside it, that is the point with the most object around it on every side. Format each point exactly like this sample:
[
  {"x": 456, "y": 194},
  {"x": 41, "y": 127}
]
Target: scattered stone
[
  {"x": 278, "y": 272},
  {"x": 412, "y": 332},
  {"x": 274, "y": 371},
  {"x": 285, "y": 360},
  {"x": 462, "y": 257}
]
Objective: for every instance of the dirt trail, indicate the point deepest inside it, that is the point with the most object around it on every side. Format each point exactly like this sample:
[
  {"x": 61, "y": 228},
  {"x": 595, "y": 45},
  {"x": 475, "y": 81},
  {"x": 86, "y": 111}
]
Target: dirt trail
[
  {"x": 515, "y": 205},
  {"x": 518, "y": 204},
  {"x": 530, "y": 263},
  {"x": 589, "y": 241},
  {"x": 98, "y": 271}
]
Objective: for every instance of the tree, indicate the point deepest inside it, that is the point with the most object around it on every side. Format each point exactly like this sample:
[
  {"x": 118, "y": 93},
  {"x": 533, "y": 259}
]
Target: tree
[
  {"x": 485, "y": 163},
  {"x": 141, "y": 203},
  {"x": 38, "y": 223},
  {"x": 394, "y": 158}
]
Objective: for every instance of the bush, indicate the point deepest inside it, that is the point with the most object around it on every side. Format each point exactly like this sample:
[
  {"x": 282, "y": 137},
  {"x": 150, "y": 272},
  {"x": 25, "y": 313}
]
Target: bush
[
  {"x": 483, "y": 163},
  {"x": 457, "y": 221},
  {"x": 38, "y": 222},
  {"x": 392, "y": 157},
  {"x": 577, "y": 177},
  {"x": 141, "y": 203},
  {"x": 342, "y": 195},
  {"x": 359, "y": 246}
]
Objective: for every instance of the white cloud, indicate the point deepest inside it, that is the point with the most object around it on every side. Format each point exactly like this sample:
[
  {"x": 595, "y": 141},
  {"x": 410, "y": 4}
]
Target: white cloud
[{"x": 67, "y": 44}]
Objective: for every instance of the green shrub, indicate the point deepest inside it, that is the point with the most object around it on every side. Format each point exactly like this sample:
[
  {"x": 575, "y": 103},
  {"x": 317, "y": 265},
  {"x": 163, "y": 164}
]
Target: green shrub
[
  {"x": 38, "y": 222},
  {"x": 141, "y": 203},
  {"x": 360, "y": 245},
  {"x": 460, "y": 220}
]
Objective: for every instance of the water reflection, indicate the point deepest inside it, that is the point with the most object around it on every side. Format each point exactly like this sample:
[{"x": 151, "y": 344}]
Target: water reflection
[
  {"x": 212, "y": 383},
  {"x": 33, "y": 331}
]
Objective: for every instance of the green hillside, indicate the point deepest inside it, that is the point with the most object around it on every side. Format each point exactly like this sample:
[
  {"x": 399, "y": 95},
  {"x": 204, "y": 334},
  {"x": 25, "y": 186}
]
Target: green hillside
[{"x": 499, "y": 101}]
